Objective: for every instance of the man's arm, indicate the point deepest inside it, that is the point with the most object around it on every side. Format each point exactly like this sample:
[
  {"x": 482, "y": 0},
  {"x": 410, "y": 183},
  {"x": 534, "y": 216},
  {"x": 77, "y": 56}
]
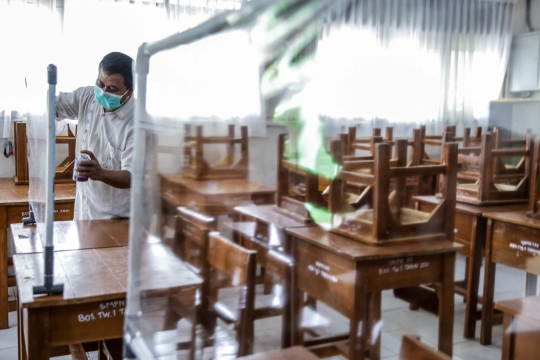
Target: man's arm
[
  {"x": 67, "y": 104},
  {"x": 120, "y": 179}
]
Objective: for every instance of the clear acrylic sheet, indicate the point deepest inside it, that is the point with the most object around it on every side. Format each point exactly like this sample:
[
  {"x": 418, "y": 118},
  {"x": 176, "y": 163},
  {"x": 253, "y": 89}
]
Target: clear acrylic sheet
[{"x": 39, "y": 148}]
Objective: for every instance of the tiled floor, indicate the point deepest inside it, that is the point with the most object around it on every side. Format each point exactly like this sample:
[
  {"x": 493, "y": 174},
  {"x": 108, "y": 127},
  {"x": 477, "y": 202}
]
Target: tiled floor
[{"x": 397, "y": 320}]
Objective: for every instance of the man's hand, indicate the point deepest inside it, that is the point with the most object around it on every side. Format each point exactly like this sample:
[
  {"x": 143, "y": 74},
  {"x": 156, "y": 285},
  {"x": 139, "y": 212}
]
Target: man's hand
[
  {"x": 120, "y": 179},
  {"x": 90, "y": 168}
]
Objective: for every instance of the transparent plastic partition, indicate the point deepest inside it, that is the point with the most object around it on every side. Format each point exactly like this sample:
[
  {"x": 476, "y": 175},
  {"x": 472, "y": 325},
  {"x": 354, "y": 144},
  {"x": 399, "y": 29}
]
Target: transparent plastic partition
[
  {"x": 41, "y": 124},
  {"x": 212, "y": 103}
]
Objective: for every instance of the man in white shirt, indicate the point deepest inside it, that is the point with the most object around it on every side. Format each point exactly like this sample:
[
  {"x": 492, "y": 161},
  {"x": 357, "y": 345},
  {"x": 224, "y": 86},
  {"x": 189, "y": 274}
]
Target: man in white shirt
[{"x": 105, "y": 133}]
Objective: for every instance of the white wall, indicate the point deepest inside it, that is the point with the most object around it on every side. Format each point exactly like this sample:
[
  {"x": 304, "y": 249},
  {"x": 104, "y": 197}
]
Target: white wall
[
  {"x": 516, "y": 115},
  {"x": 520, "y": 26},
  {"x": 260, "y": 146}
]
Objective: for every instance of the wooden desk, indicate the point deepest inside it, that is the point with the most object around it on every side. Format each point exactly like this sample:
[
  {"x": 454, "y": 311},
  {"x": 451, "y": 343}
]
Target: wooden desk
[
  {"x": 513, "y": 239},
  {"x": 92, "y": 305},
  {"x": 268, "y": 230},
  {"x": 521, "y": 322},
  {"x": 470, "y": 231},
  {"x": 212, "y": 197},
  {"x": 73, "y": 235},
  {"x": 13, "y": 207},
  {"x": 349, "y": 277},
  {"x": 262, "y": 228}
]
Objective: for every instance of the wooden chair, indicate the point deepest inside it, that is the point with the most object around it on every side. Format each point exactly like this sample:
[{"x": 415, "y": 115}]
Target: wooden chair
[
  {"x": 64, "y": 171},
  {"x": 379, "y": 216},
  {"x": 413, "y": 349},
  {"x": 222, "y": 263},
  {"x": 420, "y": 156},
  {"x": 77, "y": 352},
  {"x": 420, "y": 185},
  {"x": 239, "y": 266},
  {"x": 485, "y": 179},
  {"x": 534, "y": 210},
  {"x": 277, "y": 265},
  {"x": 107, "y": 350},
  {"x": 191, "y": 237},
  {"x": 352, "y": 143},
  {"x": 421, "y": 141},
  {"x": 521, "y": 328},
  {"x": 110, "y": 349},
  {"x": 195, "y": 165},
  {"x": 297, "y": 186}
]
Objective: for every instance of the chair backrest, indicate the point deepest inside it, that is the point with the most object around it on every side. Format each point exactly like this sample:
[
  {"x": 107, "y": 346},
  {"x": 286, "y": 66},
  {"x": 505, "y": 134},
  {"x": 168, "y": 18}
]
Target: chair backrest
[
  {"x": 386, "y": 219},
  {"x": 295, "y": 185},
  {"x": 238, "y": 266},
  {"x": 191, "y": 237},
  {"x": 282, "y": 267},
  {"x": 413, "y": 349},
  {"x": 420, "y": 140},
  {"x": 495, "y": 182},
  {"x": 231, "y": 259},
  {"x": 352, "y": 143},
  {"x": 195, "y": 165},
  {"x": 63, "y": 171}
]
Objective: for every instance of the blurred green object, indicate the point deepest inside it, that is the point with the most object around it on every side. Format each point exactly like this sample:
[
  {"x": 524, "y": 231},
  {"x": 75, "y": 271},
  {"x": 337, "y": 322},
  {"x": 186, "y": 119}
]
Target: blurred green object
[{"x": 320, "y": 216}]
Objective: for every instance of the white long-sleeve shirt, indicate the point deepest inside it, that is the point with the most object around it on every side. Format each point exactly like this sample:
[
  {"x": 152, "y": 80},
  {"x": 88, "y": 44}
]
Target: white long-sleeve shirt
[{"x": 110, "y": 137}]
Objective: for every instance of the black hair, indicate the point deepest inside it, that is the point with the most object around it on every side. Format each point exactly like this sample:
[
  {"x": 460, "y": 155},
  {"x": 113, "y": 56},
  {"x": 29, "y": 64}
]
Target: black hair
[{"x": 118, "y": 63}]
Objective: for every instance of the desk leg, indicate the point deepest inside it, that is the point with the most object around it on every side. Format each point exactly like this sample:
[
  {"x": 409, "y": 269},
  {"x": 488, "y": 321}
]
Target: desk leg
[
  {"x": 508, "y": 337},
  {"x": 530, "y": 289},
  {"x": 38, "y": 332},
  {"x": 489, "y": 290},
  {"x": 297, "y": 302},
  {"x": 446, "y": 304},
  {"x": 4, "y": 304},
  {"x": 359, "y": 323},
  {"x": 20, "y": 332},
  {"x": 374, "y": 318},
  {"x": 473, "y": 275}
]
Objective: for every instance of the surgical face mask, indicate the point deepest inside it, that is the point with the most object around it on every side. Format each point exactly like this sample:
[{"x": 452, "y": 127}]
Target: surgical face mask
[{"x": 107, "y": 100}]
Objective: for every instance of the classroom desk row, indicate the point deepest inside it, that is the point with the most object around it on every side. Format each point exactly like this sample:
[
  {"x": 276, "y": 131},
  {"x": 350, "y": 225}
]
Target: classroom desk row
[
  {"x": 502, "y": 234},
  {"x": 91, "y": 261},
  {"x": 86, "y": 255},
  {"x": 13, "y": 208},
  {"x": 348, "y": 275},
  {"x": 470, "y": 231},
  {"x": 354, "y": 271}
]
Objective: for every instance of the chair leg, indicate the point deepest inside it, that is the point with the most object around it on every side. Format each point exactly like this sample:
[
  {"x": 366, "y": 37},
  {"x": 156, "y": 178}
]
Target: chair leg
[
  {"x": 77, "y": 352},
  {"x": 244, "y": 335},
  {"x": 110, "y": 349}
]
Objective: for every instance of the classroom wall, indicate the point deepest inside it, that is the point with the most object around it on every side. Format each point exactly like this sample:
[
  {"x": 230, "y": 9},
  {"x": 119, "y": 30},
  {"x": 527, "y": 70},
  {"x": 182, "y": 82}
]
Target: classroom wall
[
  {"x": 263, "y": 157},
  {"x": 500, "y": 113},
  {"x": 520, "y": 26},
  {"x": 515, "y": 114}
]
